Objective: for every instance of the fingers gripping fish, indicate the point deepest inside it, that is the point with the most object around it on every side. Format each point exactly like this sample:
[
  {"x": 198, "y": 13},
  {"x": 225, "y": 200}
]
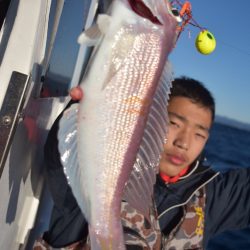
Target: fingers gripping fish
[{"x": 99, "y": 138}]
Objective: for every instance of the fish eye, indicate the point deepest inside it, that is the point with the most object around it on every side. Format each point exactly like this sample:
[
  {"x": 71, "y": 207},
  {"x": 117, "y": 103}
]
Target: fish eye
[{"x": 175, "y": 13}]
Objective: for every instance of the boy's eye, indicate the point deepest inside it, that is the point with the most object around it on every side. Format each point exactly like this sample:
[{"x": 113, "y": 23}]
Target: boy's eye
[
  {"x": 173, "y": 123},
  {"x": 201, "y": 136}
]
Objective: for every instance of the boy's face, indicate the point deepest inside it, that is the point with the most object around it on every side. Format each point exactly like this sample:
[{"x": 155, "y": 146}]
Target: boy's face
[{"x": 187, "y": 134}]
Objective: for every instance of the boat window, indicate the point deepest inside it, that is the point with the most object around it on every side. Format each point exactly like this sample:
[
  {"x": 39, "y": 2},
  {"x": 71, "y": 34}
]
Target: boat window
[
  {"x": 60, "y": 68},
  {"x": 4, "y": 5}
]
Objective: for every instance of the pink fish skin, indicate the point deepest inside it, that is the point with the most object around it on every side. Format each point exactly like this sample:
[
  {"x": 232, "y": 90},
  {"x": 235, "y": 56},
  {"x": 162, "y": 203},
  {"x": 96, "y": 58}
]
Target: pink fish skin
[{"x": 99, "y": 139}]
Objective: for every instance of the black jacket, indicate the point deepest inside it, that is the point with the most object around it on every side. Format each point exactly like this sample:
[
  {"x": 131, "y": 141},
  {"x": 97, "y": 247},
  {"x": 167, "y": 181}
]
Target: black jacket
[
  {"x": 227, "y": 203},
  {"x": 227, "y": 199}
]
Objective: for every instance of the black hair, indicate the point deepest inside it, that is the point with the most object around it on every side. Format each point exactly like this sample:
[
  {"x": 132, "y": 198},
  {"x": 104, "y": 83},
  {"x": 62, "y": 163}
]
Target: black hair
[{"x": 195, "y": 91}]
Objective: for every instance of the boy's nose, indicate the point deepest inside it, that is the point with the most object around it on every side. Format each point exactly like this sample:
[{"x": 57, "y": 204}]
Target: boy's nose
[
  {"x": 182, "y": 144},
  {"x": 182, "y": 140}
]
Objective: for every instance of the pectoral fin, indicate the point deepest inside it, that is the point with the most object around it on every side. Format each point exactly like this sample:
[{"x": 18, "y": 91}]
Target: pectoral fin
[
  {"x": 67, "y": 146},
  {"x": 103, "y": 22},
  {"x": 92, "y": 35}
]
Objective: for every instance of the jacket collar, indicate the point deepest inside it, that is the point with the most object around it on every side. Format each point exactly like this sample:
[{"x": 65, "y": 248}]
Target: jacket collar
[{"x": 168, "y": 196}]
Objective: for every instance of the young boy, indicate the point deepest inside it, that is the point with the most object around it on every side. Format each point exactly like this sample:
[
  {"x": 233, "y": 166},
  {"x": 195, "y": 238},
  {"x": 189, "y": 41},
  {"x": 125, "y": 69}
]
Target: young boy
[{"x": 193, "y": 202}]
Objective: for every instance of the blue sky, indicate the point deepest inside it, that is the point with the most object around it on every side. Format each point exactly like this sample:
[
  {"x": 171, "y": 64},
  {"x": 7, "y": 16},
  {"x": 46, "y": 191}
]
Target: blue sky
[{"x": 226, "y": 72}]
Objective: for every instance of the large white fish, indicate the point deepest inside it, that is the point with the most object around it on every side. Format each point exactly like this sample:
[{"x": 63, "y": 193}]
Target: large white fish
[{"x": 124, "y": 107}]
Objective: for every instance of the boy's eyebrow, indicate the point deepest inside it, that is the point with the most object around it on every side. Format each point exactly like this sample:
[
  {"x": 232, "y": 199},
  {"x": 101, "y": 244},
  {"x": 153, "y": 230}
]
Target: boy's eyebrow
[
  {"x": 203, "y": 128},
  {"x": 184, "y": 119},
  {"x": 180, "y": 117}
]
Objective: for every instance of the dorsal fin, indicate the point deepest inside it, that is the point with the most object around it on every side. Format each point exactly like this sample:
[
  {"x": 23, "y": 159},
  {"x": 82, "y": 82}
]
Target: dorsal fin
[{"x": 139, "y": 188}]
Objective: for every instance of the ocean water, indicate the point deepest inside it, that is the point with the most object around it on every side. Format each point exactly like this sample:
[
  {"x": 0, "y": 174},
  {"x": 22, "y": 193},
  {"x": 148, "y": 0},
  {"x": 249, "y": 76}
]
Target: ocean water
[{"x": 227, "y": 148}]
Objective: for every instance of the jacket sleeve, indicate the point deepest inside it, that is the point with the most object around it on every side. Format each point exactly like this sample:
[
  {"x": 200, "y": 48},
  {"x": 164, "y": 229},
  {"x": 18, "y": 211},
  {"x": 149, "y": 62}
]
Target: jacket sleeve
[{"x": 228, "y": 203}]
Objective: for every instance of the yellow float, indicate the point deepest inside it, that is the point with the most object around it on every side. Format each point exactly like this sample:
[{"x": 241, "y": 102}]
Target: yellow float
[{"x": 205, "y": 42}]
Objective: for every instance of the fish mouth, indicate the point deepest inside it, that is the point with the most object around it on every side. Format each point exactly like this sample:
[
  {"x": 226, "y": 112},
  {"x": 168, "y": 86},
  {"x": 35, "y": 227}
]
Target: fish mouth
[{"x": 142, "y": 10}]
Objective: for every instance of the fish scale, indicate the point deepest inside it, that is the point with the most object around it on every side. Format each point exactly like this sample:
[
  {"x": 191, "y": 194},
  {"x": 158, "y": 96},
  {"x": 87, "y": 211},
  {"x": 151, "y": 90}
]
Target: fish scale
[{"x": 109, "y": 125}]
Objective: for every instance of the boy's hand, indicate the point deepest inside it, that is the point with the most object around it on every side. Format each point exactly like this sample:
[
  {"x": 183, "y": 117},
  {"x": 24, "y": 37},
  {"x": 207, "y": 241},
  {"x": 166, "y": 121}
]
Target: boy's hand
[{"x": 76, "y": 93}]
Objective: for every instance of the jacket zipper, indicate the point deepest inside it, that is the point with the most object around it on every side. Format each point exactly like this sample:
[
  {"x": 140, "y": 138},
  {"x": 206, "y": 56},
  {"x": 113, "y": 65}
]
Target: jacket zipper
[{"x": 184, "y": 203}]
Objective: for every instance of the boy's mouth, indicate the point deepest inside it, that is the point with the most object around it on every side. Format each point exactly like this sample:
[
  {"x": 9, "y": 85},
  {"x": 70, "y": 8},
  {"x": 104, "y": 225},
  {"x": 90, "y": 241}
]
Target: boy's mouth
[{"x": 176, "y": 160}]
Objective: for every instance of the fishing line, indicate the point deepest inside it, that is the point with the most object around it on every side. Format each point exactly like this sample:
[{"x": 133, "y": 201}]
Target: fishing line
[{"x": 235, "y": 48}]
